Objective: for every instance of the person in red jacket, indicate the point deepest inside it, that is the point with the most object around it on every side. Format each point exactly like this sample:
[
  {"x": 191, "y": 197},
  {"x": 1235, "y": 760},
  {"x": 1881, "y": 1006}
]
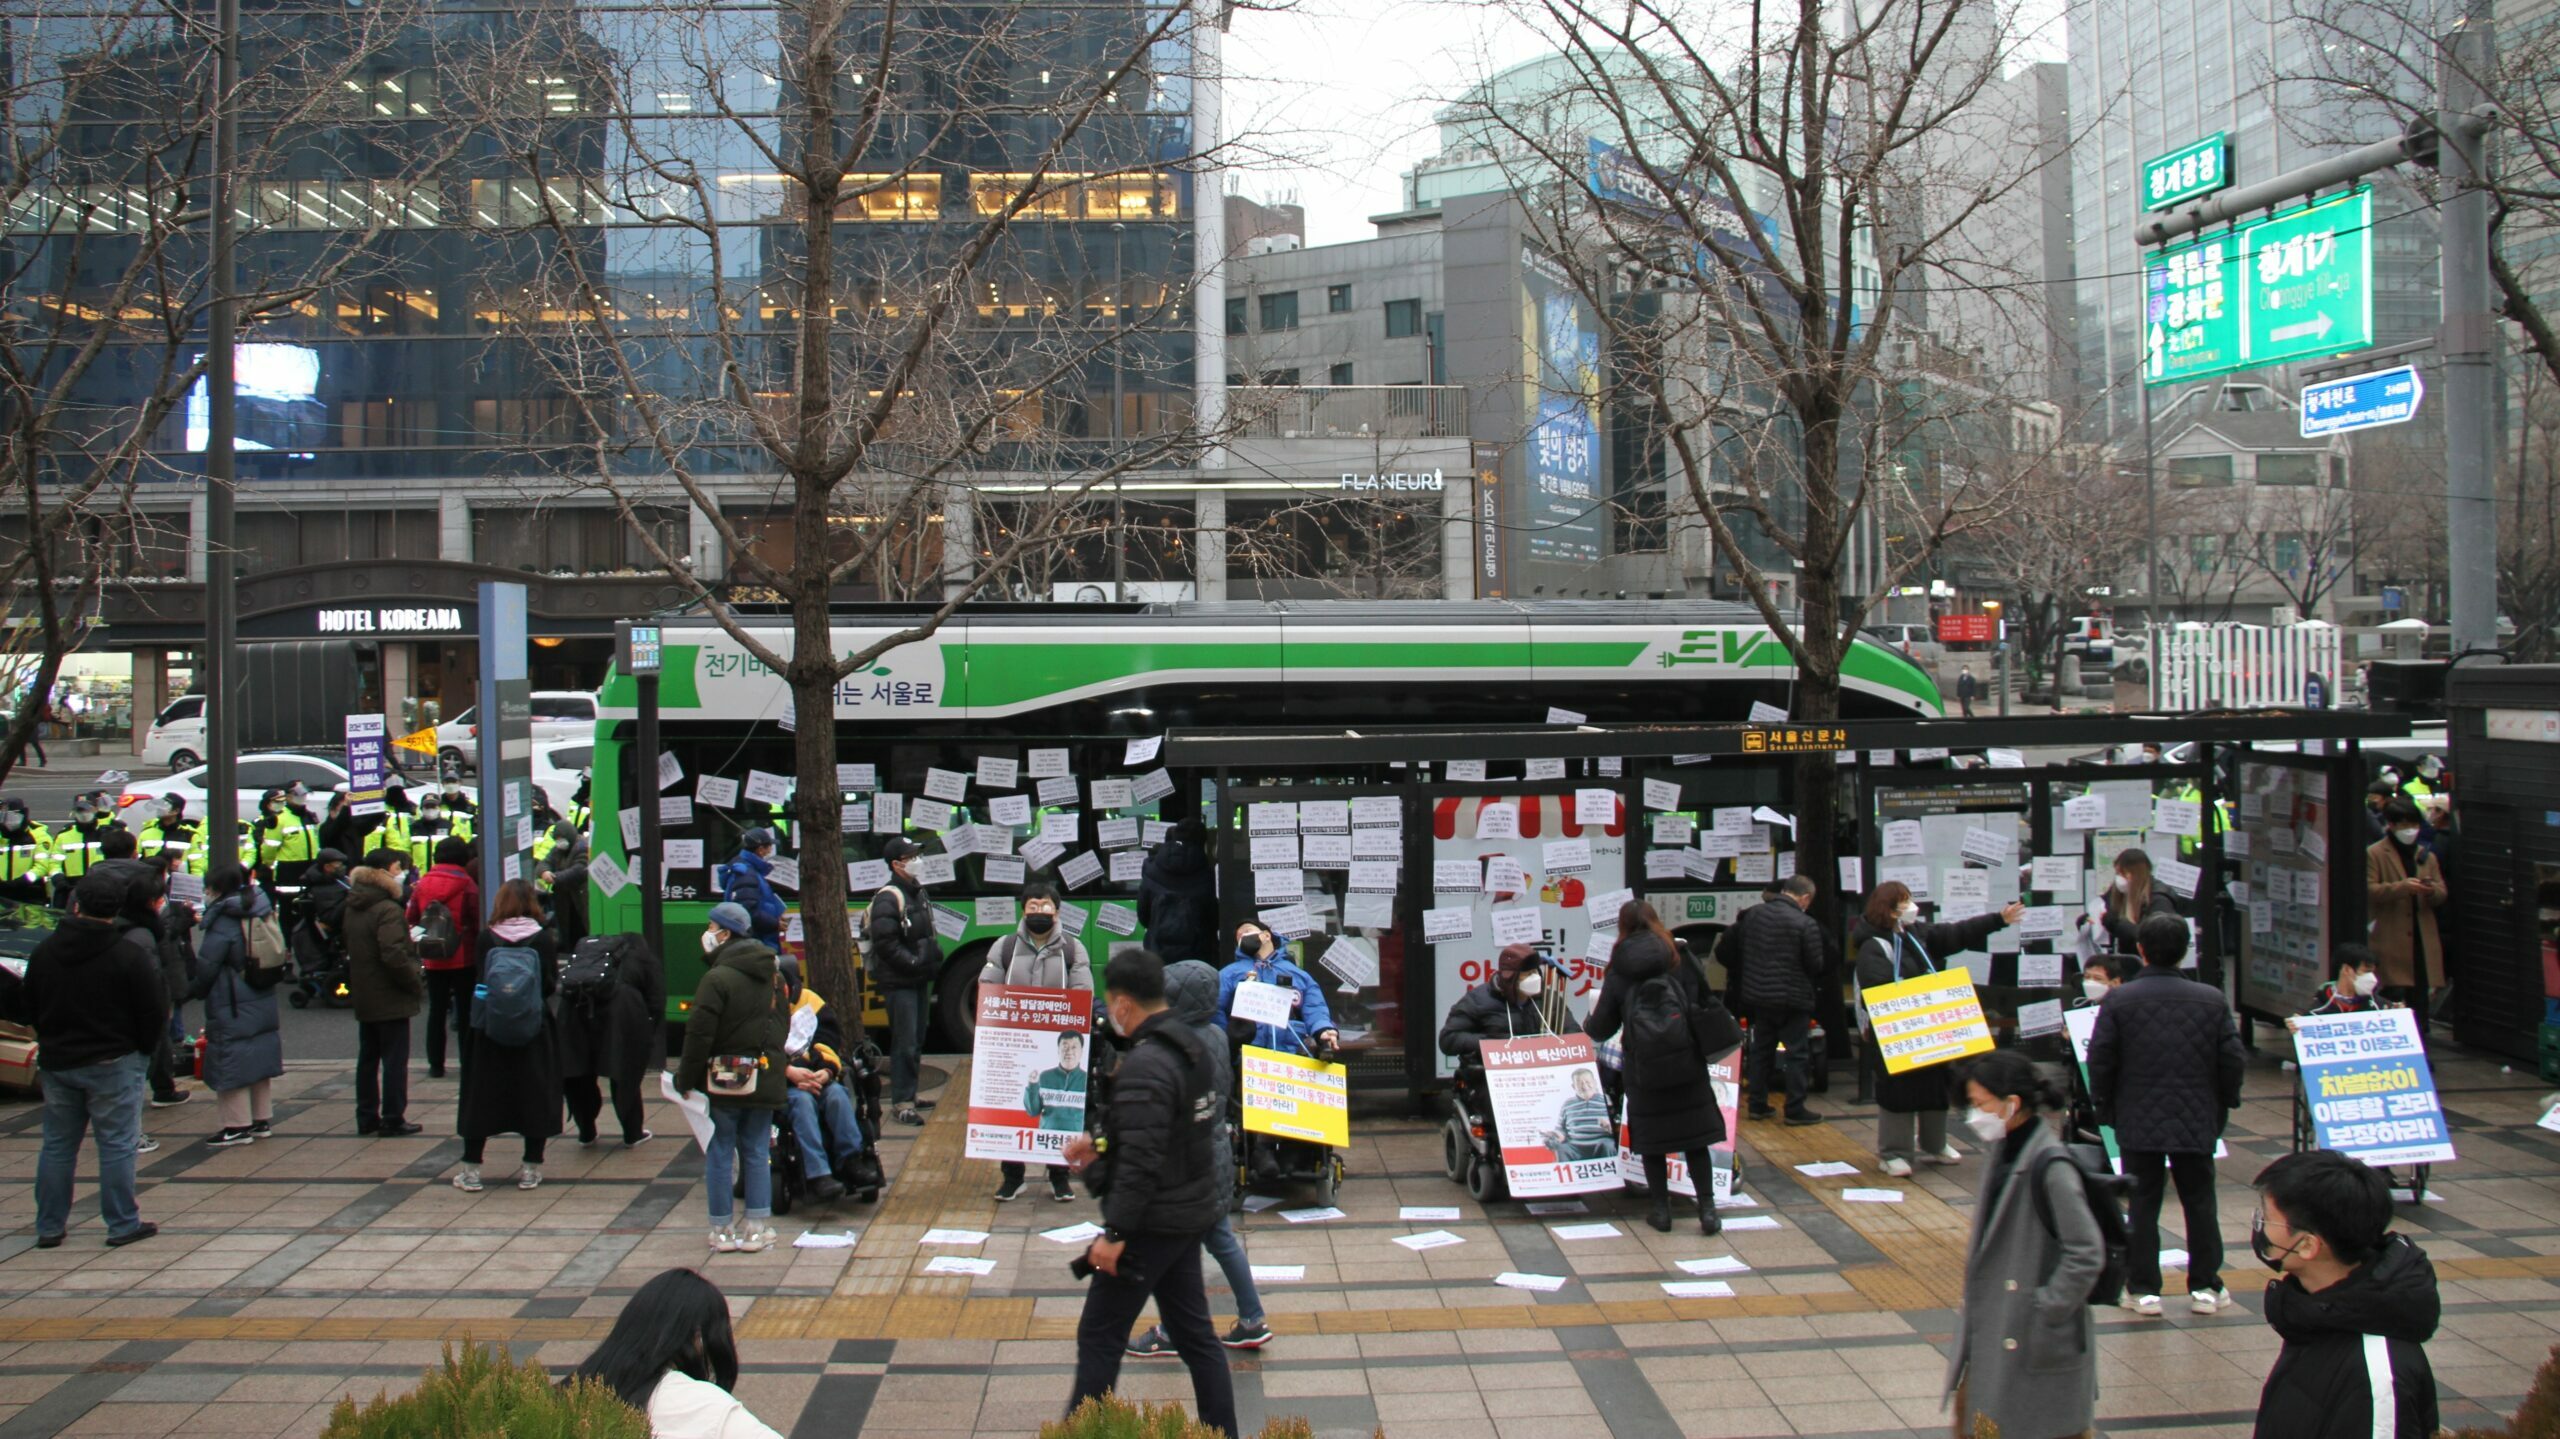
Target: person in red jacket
[{"x": 451, "y": 959}]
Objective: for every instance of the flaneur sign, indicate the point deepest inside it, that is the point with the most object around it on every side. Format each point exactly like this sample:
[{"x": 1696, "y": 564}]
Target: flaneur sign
[
  {"x": 1427, "y": 482},
  {"x": 1925, "y": 1021},
  {"x": 1296, "y": 1097},
  {"x": 2371, "y": 1093},
  {"x": 1551, "y": 1115},
  {"x": 2362, "y": 402},
  {"x": 1793, "y": 739},
  {"x": 2199, "y": 169},
  {"x": 2298, "y": 284},
  {"x": 1965, "y": 629},
  {"x": 1027, "y": 1072}
]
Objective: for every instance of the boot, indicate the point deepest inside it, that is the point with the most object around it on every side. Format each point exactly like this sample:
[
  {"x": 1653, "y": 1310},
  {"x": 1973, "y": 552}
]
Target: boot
[
  {"x": 1657, "y": 1177},
  {"x": 1660, "y": 1218},
  {"x": 1702, "y": 1171}
]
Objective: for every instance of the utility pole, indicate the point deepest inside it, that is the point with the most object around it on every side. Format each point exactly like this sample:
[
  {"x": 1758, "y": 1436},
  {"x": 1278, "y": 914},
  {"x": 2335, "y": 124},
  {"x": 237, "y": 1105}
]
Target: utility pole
[
  {"x": 1119, "y": 487},
  {"x": 221, "y": 446},
  {"x": 2468, "y": 338}
]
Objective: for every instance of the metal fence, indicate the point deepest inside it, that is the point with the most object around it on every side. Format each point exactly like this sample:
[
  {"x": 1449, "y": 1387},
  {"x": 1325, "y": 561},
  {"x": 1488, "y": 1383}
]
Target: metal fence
[
  {"x": 1337, "y": 412},
  {"x": 2242, "y": 666}
]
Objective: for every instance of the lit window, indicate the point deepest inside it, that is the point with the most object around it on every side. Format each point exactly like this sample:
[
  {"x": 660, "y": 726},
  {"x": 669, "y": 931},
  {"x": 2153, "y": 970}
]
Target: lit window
[{"x": 891, "y": 197}]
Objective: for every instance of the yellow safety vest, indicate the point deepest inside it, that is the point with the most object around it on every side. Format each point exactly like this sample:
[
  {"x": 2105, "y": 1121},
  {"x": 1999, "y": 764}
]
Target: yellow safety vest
[
  {"x": 78, "y": 848},
  {"x": 183, "y": 851},
  {"x": 287, "y": 841},
  {"x": 422, "y": 839},
  {"x": 28, "y": 855}
]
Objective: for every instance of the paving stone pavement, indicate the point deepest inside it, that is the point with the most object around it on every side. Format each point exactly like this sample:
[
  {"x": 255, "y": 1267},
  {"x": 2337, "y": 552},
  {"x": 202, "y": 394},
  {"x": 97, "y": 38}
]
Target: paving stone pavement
[{"x": 317, "y": 1264}]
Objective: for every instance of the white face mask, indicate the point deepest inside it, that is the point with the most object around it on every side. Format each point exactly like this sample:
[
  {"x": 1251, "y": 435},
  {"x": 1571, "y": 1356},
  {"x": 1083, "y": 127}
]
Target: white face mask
[
  {"x": 2096, "y": 989},
  {"x": 2405, "y": 836},
  {"x": 1531, "y": 985},
  {"x": 710, "y": 940},
  {"x": 1988, "y": 1127},
  {"x": 1906, "y": 914},
  {"x": 2368, "y": 982}
]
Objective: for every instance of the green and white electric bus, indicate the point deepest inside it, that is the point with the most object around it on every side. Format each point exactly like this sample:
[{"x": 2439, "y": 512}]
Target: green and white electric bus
[{"x": 1003, "y": 682}]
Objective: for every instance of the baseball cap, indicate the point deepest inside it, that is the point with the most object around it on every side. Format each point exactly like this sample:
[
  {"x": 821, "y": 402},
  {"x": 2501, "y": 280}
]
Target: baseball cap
[{"x": 900, "y": 847}]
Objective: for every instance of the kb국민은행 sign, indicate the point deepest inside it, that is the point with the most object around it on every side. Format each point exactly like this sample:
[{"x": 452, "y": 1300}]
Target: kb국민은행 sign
[
  {"x": 2371, "y": 1093},
  {"x": 1028, "y": 1072},
  {"x": 1551, "y": 1115},
  {"x": 2300, "y": 283},
  {"x": 1925, "y": 1021},
  {"x": 1295, "y": 1097}
]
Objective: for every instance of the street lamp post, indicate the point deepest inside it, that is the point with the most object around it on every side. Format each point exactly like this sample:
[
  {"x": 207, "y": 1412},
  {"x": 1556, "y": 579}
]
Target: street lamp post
[{"x": 1999, "y": 654}]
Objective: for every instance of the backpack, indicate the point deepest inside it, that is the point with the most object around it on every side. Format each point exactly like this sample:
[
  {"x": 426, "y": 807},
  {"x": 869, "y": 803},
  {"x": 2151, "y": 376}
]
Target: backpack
[
  {"x": 587, "y": 981},
  {"x": 1657, "y": 1037},
  {"x": 268, "y": 952},
  {"x": 2106, "y": 1191},
  {"x": 511, "y": 1012},
  {"x": 438, "y": 936}
]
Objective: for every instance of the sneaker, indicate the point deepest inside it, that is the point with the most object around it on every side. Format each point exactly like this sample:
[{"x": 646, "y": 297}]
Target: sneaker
[
  {"x": 135, "y": 1235},
  {"x": 1247, "y": 1334},
  {"x": 825, "y": 1189},
  {"x": 1948, "y": 1155},
  {"x": 2142, "y": 1303},
  {"x": 1060, "y": 1190},
  {"x": 757, "y": 1237},
  {"x": 1152, "y": 1345},
  {"x": 48, "y": 1241},
  {"x": 907, "y": 1115},
  {"x": 263, "y": 1128},
  {"x": 467, "y": 1179},
  {"x": 1763, "y": 1112},
  {"x": 645, "y": 1136},
  {"x": 529, "y": 1177},
  {"x": 229, "y": 1138},
  {"x": 1898, "y": 1167},
  {"x": 171, "y": 1099},
  {"x": 1798, "y": 1119},
  {"x": 146, "y": 1145},
  {"x": 724, "y": 1240},
  {"x": 586, "y": 1136},
  {"x": 2208, "y": 1301},
  {"x": 1011, "y": 1191}
]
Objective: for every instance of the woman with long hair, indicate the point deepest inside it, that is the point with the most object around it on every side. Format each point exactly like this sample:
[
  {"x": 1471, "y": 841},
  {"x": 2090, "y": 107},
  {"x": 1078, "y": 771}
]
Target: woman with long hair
[
  {"x": 671, "y": 1356},
  {"x": 511, "y": 1088},
  {"x": 1894, "y": 944},
  {"x": 1671, "y": 1108},
  {"x": 2130, "y": 899},
  {"x": 243, "y": 1028}
]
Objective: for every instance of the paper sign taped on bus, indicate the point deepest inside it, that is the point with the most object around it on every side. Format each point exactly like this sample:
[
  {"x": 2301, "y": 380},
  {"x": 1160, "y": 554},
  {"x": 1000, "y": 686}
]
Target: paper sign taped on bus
[
  {"x": 1295, "y": 1097},
  {"x": 1924, "y": 1021}
]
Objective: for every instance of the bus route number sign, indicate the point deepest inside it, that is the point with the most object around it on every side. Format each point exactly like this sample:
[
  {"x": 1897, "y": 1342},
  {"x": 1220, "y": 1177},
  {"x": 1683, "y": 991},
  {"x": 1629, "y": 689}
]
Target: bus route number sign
[{"x": 1793, "y": 739}]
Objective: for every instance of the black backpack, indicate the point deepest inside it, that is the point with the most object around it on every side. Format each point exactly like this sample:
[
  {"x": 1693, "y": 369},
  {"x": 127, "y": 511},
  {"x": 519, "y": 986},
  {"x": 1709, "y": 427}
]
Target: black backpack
[
  {"x": 1658, "y": 1039},
  {"x": 2106, "y": 1191},
  {"x": 438, "y": 936},
  {"x": 588, "y": 979}
]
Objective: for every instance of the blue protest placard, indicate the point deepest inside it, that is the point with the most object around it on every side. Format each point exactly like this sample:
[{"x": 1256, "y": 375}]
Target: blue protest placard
[{"x": 2371, "y": 1093}]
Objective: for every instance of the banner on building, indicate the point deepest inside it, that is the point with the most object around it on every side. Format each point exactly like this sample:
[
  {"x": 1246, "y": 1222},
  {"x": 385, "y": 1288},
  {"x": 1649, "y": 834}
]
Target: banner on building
[{"x": 1028, "y": 1072}]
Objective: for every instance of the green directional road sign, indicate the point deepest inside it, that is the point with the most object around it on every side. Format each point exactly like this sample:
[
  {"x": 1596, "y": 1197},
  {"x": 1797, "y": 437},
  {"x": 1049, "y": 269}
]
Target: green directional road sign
[
  {"x": 2199, "y": 169},
  {"x": 2299, "y": 283}
]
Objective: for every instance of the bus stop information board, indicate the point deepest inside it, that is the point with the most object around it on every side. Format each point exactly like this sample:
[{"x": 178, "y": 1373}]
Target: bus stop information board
[
  {"x": 2300, "y": 283},
  {"x": 2199, "y": 169}
]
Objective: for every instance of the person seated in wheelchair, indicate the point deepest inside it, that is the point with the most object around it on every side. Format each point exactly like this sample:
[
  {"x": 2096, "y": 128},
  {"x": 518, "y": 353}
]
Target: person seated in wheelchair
[
  {"x": 2354, "y": 986},
  {"x": 817, "y": 1104},
  {"x": 1264, "y": 957},
  {"x": 1524, "y": 998}
]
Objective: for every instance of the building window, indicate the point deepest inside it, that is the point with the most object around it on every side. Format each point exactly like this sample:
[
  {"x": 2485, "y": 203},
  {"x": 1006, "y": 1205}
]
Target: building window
[
  {"x": 891, "y": 197},
  {"x": 345, "y": 204},
  {"x": 278, "y": 539},
  {"x": 1339, "y": 374},
  {"x": 573, "y": 540},
  {"x": 511, "y": 204},
  {"x": 1337, "y": 299},
  {"x": 2294, "y": 469},
  {"x": 1279, "y": 377},
  {"x": 2194, "y": 470},
  {"x": 1077, "y": 197},
  {"x": 1404, "y": 319},
  {"x": 1280, "y": 311},
  {"x": 1235, "y": 314},
  {"x": 392, "y": 94}
]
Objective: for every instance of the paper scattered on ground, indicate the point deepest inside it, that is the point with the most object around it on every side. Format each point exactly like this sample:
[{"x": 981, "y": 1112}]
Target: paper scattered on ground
[
  {"x": 1436, "y": 1239},
  {"x": 1697, "y": 1289},
  {"x": 1436, "y": 1212},
  {"x": 954, "y": 1264},
  {"x": 953, "y": 1236},
  {"x": 2173, "y": 1259},
  {"x": 1753, "y": 1221},
  {"x": 1547, "y": 1207},
  {"x": 2403, "y": 1196},
  {"x": 1256, "y": 1203},
  {"x": 825, "y": 1241},
  {"x": 1602, "y": 1230},
  {"x": 1826, "y": 1169},
  {"x": 1073, "y": 1234},
  {"x": 1279, "y": 1273},
  {"x": 1720, "y": 1264},
  {"x": 1312, "y": 1216},
  {"x": 1872, "y": 1196},
  {"x": 1543, "y": 1283},
  {"x": 1736, "y": 1200}
]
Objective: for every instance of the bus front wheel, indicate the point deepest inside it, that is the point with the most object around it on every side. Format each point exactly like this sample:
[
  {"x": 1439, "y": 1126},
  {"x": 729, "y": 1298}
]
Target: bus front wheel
[{"x": 955, "y": 999}]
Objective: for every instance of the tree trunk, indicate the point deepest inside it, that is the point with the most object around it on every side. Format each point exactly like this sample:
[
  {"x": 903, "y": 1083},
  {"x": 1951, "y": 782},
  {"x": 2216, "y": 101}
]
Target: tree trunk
[{"x": 826, "y": 919}]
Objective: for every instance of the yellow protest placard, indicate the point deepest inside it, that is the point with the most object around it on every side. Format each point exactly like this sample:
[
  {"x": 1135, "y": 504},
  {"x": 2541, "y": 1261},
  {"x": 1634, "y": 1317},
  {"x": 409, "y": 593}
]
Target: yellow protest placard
[
  {"x": 1928, "y": 1020},
  {"x": 1295, "y": 1097}
]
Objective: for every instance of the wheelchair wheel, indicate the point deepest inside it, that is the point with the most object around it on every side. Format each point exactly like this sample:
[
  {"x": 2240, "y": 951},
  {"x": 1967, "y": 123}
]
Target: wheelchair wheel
[
  {"x": 1454, "y": 1149},
  {"x": 2418, "y": 1182},
  {"x": 1328, "y": 1182},
  {"x": 299, "y": 999},
  {"x": 1484, "y": 1179},
  {"x": 2305, "y": 1135}
]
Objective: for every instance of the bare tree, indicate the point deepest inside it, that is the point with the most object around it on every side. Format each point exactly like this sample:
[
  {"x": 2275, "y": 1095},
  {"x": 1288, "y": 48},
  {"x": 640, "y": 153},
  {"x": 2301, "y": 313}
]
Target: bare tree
[
  {"x": 868, "y": 310},
  {"x": 2203, "y": 564},
  {"x": 2302, "y": 540},
  {"x": 2055, "y": 545}
]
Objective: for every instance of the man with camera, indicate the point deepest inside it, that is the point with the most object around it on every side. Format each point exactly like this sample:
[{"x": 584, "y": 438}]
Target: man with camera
[{"x": 1155, "y": 1166}]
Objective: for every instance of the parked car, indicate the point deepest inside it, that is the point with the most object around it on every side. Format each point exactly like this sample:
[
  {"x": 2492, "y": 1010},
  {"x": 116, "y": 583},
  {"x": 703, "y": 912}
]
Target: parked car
[
  {"x": 557, "y": 715},
  {"x": 558, "y": 765},
  {"x": 1917, "y": 643},
  {"x": 176, "y": 738},
  {"x": 141, "y": 800}
]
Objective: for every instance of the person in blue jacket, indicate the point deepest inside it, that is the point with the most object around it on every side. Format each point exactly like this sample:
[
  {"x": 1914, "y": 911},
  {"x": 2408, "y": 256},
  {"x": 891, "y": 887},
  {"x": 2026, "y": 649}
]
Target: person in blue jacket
[
  {"x": 1261, "y": 955},
  {"x": 746, "y": 881}
]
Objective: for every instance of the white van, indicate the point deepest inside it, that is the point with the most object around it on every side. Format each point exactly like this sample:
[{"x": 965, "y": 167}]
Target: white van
[{"x": 176, "y": 738}]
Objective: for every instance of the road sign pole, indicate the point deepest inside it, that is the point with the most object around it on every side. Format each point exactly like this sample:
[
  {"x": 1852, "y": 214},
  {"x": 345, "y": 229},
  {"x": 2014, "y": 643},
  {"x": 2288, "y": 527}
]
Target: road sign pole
[
  {"x": 2150, "y": 508},
  {"x": 2469, "y": 341}
]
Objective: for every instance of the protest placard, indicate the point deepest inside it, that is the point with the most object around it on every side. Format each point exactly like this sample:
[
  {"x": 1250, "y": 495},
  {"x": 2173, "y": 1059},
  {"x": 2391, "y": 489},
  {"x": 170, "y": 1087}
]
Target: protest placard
[
  {"x": 2371, "y": 1093},
  {"x": 1928, "y": 1020},
  {"x": 1027, "y": 1072},
  {"x": 1295, "y": 1097},
  {"x": 1551, "y": 1115}
]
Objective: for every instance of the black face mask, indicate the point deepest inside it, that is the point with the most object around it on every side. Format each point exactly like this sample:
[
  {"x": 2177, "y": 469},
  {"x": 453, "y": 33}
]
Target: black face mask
[
  {"x": 1039, "y": 923},
  {"x": 2267, "y": 1253}
]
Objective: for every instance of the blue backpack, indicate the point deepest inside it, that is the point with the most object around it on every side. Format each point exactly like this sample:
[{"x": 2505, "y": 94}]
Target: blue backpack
[{"x": 509, "y": 1010}]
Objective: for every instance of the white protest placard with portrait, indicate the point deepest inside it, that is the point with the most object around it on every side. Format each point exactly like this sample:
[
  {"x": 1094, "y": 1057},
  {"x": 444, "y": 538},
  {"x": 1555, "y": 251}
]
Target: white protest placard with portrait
[{"x": 1028, "y": 1072}]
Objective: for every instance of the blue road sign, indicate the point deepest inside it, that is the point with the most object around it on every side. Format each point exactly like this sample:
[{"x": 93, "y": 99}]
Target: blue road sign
[{"x": 2361, "y": 402}]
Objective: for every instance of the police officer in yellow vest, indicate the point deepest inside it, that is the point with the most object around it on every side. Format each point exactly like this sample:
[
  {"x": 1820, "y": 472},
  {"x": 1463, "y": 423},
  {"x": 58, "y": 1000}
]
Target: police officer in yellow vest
[
  {"x": 397, "y": 814},
  {"x": 173, "y": 841},
  {"x": 287, "y": 844},
  {"x": 582, "y": 801},
  {"x": 2218, "y": 817},
  {"x": 434, "y": 822},
  {"x": 26, "y": 855},
  {"x": 77, "y": 848}
]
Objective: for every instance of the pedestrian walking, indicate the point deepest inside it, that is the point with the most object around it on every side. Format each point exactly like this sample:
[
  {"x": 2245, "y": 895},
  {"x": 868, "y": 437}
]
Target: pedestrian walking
[
  {"x": 2404, "y": 887},
  {"x": 2165, "y": 1067},
  {"x": 733, "y": 1052},
  {"x": 387, "y": 987},
  {"x": 1042, "y": 955},
  {"x": 2354, "y": 1303},
  {"x": 609, "y": 1032},
  {"x": 2025, "y": 1359},
  {"x": 510, "y": 1071},
  {"x": 1966, "y": 688},
  {"x": 35, "y": 732},
  {"x": 1674, "y": 1026},
  {"x": 1156, "y": 1168},
  {"x": 1893, "y": 945},
  {"x": 672, "y": 1355},
  {"x": 1191, "y": 992},
  {"x": 903, "y": 957},
  {"x": 243, "y": 1024},
  {"x": 92, "y": 996},
  {"x": 444, "y": 910},
  {"x": 746, "y": 881},
  {"x": 1178, "y": 895},
  {"x": 1784, "y": 955}
]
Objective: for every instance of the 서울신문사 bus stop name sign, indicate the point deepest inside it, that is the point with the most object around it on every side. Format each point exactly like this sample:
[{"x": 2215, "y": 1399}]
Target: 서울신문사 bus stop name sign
[{"x": 2300, "y": 283}]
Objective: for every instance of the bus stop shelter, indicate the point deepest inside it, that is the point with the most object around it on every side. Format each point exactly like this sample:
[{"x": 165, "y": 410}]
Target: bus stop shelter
[{"x": 1403, "y": 859}]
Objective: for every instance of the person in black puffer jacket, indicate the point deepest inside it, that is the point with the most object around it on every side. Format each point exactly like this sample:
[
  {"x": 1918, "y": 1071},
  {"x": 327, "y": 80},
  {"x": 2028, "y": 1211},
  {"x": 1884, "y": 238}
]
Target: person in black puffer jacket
[
  {"x": 1784, "y": 954},
  {"x": 901, "y": 956},
  {"x": 1178, "y": 897},
  {"x": 1156, "y": 1168},
  {"x": 1511, "y": 1005},
  {"x": 2347, "y": 1282},
  {"x": 1669, "y": 1111},
  {"x": 2165, "y": 1067}
]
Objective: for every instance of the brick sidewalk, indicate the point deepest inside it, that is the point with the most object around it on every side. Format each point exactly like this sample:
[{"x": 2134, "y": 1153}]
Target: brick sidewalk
[{"x": 316, "y": 1264}]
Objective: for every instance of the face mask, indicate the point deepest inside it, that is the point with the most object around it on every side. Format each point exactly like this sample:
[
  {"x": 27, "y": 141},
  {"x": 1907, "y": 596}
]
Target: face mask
[
  {"x": 2268, "y": 1254},
  {"x": 2368, "y": 982},
  {"x": 1906, "y": 914},
  {"x": 710, "y": 940},
  {"x": 427, "y": 812},
  {"x": 2096, "y": 989},
  {"x": 13, "y": 819},
  {"x": 1531, "y": 985},
  {"x": 274, "y": 807},
  {"x": 85, "y": 816},
  {"x": 2405, "y": 836},
  {"x": 1039, "y": 923},
  {"x": 1259, "y": 946},
  {"x": 1988, "y": 1127}
]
